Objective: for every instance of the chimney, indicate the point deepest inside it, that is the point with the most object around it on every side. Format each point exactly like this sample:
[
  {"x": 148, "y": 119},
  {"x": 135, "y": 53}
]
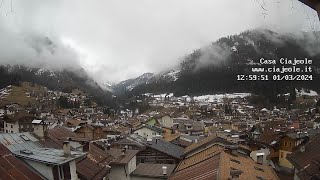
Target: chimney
[
  {"x": 196, "y": 141},
  {"x": 66, "y": 149},
  {"x": 123, "y": 152},
  {"x": 164, "y": 170},
  {"x": 108, "y": 146},
  {"x": 302, "y": 148}
]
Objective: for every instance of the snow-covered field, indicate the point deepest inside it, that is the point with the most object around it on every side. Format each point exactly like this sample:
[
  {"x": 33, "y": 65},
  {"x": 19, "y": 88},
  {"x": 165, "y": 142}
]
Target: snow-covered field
[
  {"x": 219, "y": 97},
  {"x": 203, "y": 98}
]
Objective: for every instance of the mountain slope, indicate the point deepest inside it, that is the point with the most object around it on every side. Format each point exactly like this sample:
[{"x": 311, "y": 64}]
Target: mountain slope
[
  {"x": 214, "y": 69},
  {"x": 130, "y": 84},
  {"x": 64, "y": 80}
]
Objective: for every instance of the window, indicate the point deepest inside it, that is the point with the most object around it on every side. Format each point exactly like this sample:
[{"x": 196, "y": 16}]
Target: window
[
  {"x": 290, "y": 144},
  {"x": 285, "y": 143},
  {"x": 259, "y": 169},
  {"x": 260, "y": 159},
  {"x": 281, "y": 155},
  {"x": 6, "y": 125},
  {"x": 236, "y": 161},
  {"x": 66, "y": 171},
  {"x": 11, "y": 126}
]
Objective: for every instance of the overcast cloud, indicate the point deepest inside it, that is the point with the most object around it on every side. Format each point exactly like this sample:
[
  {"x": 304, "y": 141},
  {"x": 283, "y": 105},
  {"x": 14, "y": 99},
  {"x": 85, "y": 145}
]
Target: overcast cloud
[{"x": 118, "y": 39}]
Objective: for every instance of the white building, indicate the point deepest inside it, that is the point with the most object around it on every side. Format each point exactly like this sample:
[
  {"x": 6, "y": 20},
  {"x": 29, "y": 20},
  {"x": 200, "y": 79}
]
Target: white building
[
  {"x": 149, "y": 132},
  {"x": 124, "y": 164},
  {"x": 50, "y": 163}
]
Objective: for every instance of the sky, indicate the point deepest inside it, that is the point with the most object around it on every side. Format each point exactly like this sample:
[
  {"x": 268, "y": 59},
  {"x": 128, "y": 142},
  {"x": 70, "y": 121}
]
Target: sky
[{"x": 114, "y": 40}]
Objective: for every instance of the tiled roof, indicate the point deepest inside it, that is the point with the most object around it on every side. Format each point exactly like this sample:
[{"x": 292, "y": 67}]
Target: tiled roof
[
  {"x": 55, "y": 137},
  {"x": 204, "y": 170},
  {"x": 215, "y": 163},
  {"x": 153, "y": 170},
  {"x": 205, "y": 142},
  {"x": 60, "y": 132},
  {"x": 118, "y": 158},
  {"x": 94, "y": 166},
  {"x": 88, "y": 169},
  {"x": 249, "y": 168},
  {"x": 199, "y": 157},
  {"x": 269, "y": 137}
]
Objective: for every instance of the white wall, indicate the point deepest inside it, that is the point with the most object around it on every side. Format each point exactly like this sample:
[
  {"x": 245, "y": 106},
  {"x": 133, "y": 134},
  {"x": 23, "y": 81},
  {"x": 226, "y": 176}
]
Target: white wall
[
  {"x": 14, "y": 129},
  {"x": 132, "y": 165},
  {"x": 117, "y": 172},
  {"x": 122, "y": 172},
  {"x": 166, "y": 121},
  {"x": 45, "y": 170},
  {"x": 146, "y": 133},
  {"x": 38, "y": 129},
  {"x": 73, "y": 170},
  {"x": 254, "y": 155}
]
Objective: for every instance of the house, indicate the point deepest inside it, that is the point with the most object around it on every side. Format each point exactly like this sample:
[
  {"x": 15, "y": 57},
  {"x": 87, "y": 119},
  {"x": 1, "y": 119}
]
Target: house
[
  {"x": 316, "y": 123},
  {"x": 13, "y": 108},
  {"x": 166, "y": 121},
  {"x": 123, "y": 164},
  {"x": 96, "y": 163},
  {"x": 19, "y": 122},
  {"x": 160, "y": 151},
  {"x": 287, "y": 145},
  {"x": 212, "y": 141},
  {"x": 306, "y": 159},
  {"x": 218, "y": 162},
  {"x": 147, "y": 171},
  {"x": 55, "y": 137},
  {"x": 188, "y": 126},
  {"x": 111, "y": 132},
  {"x": 24, "y": 122},
  {"x": 185, "y": 140},
  {"x": 51, "y": 163},
  {"x": 90, "y": 131},
  {"x": 74, "y": 123},
  {"x": 134, "y": 141},
  {"x": 12, "y": 168},
  {"x": 39, "y": 127},
  {"x": 149, "y": 132}
]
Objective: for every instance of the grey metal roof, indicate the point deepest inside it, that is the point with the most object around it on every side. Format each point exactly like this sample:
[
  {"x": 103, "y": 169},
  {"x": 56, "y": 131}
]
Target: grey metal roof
[
  {"x": 26, "y": 146},
  {"x": 48, "y": 155},
  {"x": 19, "y": 141},
  {"x": 166, "y": 147}
]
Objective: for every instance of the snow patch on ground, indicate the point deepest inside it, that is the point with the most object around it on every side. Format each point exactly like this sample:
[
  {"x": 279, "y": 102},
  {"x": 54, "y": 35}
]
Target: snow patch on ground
[
  {"x": 219, "y": 97},
  {"x": 303, "y": 92}
]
